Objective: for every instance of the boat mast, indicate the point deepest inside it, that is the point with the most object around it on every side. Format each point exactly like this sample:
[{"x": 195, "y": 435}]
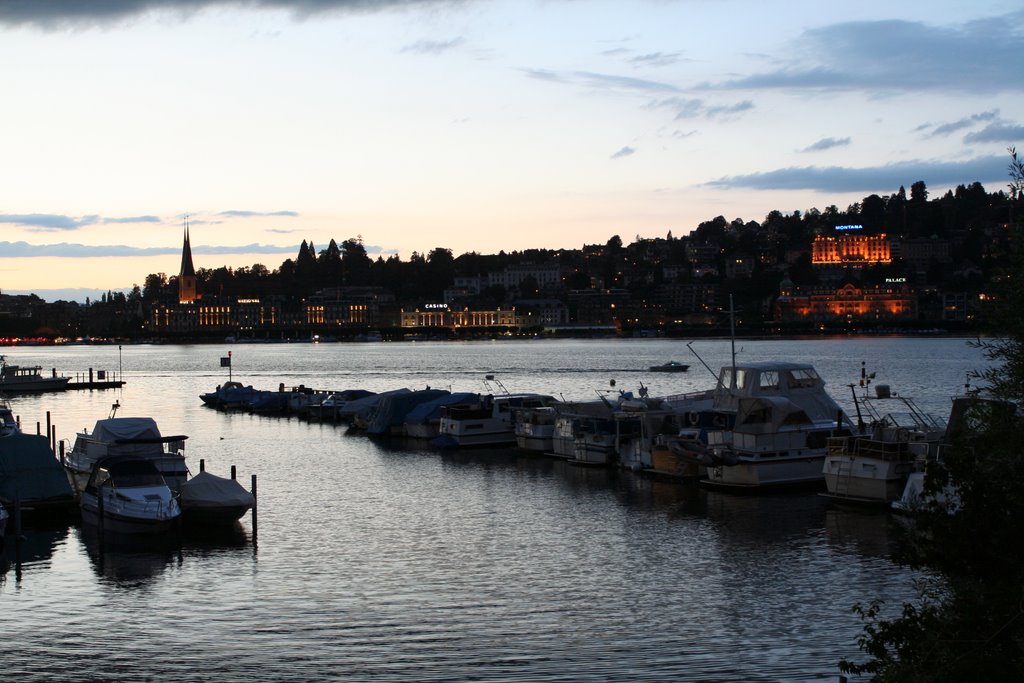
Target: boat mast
[{"x": 732, "y": 339}]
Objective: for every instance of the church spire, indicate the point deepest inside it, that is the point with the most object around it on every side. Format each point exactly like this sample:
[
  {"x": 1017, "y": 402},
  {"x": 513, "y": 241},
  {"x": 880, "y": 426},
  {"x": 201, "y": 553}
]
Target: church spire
[
  {"x": 187, "y": 293},
  {"x": 186, "y": 255}
]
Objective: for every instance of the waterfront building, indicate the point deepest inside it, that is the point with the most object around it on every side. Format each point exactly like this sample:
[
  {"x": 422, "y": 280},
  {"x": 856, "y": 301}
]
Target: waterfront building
[
  {"x": 849, "y": 302},
  {"x": 442, "y": 316}
]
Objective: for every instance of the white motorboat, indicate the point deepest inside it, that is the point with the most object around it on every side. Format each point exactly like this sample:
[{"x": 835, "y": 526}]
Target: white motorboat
[
  {"x": 783, "y": 419},
  {"x": 17, "y": 379},
  {"x": 489, "y": 422},
  {"x": 134, "y": 436},
  {"x": 872, "y": 467},
  {"x": 126, "y": 494}
]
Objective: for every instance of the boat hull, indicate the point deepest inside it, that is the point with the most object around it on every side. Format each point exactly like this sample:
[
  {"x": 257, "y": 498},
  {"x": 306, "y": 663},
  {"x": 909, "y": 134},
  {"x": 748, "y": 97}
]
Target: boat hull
[{"x": 802, "y": 470}]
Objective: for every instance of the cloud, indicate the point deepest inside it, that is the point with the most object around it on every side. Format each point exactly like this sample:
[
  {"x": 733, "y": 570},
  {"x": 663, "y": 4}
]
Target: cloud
[
  {"x": 69, "y": 250},
  {"x": 42, "y": 222},
  {"x": 61, "y": 13},
  {"x": 991, "y": 169},
  {"x": 657, "y": 59},
  {"x": 954, "y": 126},
  {"x": 133, "y": 219},
  {"x": 826, "y": 143},
  {"x": 901, "y": 56},
  {"x": 997, "y": 131},
  {"x": 433, "y": 47},
  {"x": 608, "y": 81},
  {"x": 624, "y": 152},
  {"x": 691, "y": 108},
  {"x": 257, "y": 214}
]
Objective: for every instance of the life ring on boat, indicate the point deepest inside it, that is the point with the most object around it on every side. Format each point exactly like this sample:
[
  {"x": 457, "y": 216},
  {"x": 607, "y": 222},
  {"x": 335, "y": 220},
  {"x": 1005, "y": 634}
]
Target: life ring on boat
[{"x": 693, "y": 417}]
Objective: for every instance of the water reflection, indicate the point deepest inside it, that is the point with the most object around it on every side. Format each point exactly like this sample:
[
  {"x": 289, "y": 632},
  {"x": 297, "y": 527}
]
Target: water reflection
[
  {"x": 134, "y": 561},
  {"x": 863, "y": 531},
  {"x": 34, "y": 547}
]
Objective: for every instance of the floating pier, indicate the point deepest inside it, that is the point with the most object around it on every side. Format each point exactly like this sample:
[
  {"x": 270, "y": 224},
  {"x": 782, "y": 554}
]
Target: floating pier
[{"x": 103, "y": 379}]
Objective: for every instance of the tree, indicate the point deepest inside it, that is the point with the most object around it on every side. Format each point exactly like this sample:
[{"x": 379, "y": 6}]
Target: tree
[{"x": 968, "y": 621}]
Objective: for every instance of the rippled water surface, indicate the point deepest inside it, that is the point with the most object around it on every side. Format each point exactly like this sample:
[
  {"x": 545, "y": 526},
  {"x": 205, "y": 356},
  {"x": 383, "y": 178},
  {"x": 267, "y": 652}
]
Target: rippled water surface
[{"x": 391, "y": 561}]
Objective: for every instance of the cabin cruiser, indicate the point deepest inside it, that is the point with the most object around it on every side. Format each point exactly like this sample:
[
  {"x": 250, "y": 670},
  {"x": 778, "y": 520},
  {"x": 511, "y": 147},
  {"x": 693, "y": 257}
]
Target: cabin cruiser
[
  {"x": 17, "y": 379},
  {"x": 126, "y": 494},
  {"x": 781, "y": 418},
  {"x": 488, "y": 422},
  {"x": 872, "y": 467},
  {"x": 136, "y": 436}
]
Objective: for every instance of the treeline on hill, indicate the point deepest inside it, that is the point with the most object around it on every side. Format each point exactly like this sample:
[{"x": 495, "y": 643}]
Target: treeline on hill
[{"x": 964, "y": 213}]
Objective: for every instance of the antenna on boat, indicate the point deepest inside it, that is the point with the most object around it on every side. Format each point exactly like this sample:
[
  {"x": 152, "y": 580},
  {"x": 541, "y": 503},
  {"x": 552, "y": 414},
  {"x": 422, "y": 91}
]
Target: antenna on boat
[{"x": 113, "y": 409}]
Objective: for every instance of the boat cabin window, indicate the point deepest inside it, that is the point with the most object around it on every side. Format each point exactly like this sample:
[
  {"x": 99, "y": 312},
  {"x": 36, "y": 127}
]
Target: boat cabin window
[
  {"x": 101, "y": 477},
  {"x": 726, "y": 379},
  {"x": 804, "y": 378},
  {"x": 759, "y": 416},
  {"x": 797, "y": 417},
  {"x": 769, "y": 379}
]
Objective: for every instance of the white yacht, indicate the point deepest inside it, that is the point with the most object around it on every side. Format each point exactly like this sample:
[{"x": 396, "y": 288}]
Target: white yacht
[{"x": 783, "y": 419}]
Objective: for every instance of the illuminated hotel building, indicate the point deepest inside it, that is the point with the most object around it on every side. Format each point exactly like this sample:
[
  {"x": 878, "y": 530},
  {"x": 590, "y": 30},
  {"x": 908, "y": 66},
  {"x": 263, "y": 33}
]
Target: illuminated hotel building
[
  {"x": 855, "y": 251},
  {"x": 848, "y": 302}
]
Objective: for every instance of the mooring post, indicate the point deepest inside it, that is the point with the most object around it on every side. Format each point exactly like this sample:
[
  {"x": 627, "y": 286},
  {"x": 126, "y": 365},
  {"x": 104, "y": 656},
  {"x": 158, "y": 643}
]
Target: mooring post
[
  {"x": 234, "y": 472},
  {"x": 202, "y": 464},
  {"x": 17, "y": 518},
  {"x": 255, "y": 505},
  {"x": 48, "y": 423},
  {"x": 39, "y": 429},
  {"x": 53, "y": 440},
  {"x": 61, "y": 446},
  {"x": 90, "y": 375}
]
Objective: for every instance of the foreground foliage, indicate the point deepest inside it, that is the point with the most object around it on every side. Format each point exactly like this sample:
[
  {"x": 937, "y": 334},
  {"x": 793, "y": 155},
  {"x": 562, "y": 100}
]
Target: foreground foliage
[{"x": 968, "y": 621}]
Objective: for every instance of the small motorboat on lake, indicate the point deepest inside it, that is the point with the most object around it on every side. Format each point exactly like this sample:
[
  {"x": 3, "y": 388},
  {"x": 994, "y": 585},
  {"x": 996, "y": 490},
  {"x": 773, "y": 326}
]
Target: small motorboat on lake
[
  {"x": 126, "y": 494},
  {"x": 670, "y": 366}
]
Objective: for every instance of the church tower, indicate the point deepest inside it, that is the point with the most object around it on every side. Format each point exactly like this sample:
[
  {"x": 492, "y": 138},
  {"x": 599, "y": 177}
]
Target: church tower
[{"x": 187, "y": 293}]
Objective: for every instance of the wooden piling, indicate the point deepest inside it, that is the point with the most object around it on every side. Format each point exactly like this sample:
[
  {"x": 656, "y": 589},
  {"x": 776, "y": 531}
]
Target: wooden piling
[
  {"x": 202, "y": 465},
  {"x": 255, "y": 505},
  {"x": 234, "y": 472},
  {"x": 48, "y": 424},
  {"x": 63, "y": 459}
]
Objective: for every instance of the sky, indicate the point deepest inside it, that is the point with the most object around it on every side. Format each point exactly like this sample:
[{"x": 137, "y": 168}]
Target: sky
[{"x": 471, "y": 125}]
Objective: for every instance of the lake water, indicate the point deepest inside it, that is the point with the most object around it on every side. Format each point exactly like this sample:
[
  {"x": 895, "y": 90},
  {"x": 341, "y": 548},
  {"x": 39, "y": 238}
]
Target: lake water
[{"x": 391, "y": 562}]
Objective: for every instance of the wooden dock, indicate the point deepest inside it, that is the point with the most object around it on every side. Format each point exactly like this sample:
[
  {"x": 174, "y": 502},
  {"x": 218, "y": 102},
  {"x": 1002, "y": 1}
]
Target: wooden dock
[{"x": 101, "y": 379}]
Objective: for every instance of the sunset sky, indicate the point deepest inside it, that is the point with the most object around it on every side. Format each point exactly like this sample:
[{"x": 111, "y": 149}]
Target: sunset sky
[{"x": 474, "y": 125}]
